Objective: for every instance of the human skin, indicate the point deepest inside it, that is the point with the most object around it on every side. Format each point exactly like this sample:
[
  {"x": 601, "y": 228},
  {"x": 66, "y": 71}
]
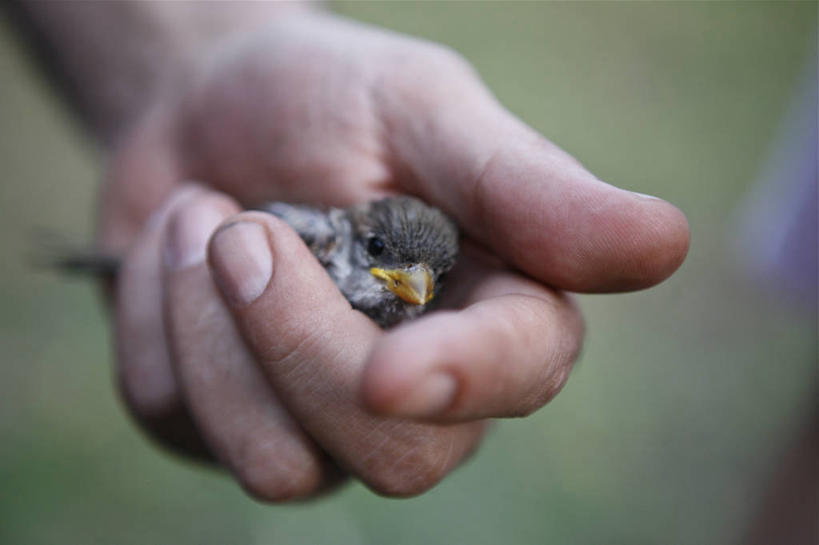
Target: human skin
[{"x": 232, "y": 341}]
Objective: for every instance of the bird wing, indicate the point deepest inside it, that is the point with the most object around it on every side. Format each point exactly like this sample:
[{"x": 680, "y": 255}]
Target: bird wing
[{"x": 314, "y": 225}]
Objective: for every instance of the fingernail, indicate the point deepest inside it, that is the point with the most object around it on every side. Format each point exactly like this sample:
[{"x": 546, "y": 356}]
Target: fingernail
[
  {"x": 241, "y": 261},
  {"x": 434, "y": 394},
  {"x": 189, "y": 231},
  {"x": 645, "y": 197}
]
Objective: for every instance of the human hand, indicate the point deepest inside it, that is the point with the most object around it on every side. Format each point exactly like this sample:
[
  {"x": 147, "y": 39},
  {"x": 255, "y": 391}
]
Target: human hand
[{"x": 285, "y": 382}]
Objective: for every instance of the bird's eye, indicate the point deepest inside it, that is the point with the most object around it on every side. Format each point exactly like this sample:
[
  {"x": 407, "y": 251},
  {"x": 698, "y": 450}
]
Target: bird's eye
[{"x": 375, "y": 246}]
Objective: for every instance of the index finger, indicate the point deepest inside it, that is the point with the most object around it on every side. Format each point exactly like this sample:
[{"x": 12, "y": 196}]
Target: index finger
[{"x": 507, "y": 353}]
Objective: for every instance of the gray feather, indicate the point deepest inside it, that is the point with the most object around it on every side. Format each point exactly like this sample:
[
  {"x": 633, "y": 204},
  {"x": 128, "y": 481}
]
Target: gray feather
[{"x": 412, "y": 233}]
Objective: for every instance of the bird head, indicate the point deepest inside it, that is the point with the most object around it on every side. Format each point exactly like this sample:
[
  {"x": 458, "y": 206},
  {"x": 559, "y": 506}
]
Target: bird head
[{"x": 406, "y": 245}]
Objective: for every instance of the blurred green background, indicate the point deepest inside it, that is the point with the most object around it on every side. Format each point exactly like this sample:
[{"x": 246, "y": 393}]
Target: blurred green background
[{"x": 686, "y": 395}]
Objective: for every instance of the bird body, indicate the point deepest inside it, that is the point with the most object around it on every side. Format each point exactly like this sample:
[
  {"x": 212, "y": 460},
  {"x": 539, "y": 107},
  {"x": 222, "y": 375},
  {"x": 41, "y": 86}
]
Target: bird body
[{"x": 387, "y": 257}]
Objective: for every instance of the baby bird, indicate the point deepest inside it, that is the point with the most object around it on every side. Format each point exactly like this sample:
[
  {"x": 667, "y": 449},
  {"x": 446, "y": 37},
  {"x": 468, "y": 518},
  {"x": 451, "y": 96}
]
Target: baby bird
[{"x": 387, "y": 257}]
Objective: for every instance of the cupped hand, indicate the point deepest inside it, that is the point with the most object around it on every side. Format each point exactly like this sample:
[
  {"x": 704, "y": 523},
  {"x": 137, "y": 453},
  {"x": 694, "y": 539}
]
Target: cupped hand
[{"x": 233, "y": 341}]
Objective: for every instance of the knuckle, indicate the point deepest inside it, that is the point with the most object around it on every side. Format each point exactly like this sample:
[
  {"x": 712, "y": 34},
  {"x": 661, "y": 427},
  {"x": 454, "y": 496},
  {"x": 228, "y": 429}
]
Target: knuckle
[
  {"x": 529, "y": 404},
  {"x": 544, "y": 392},
  {"x": 550, "y": 334},
  {"x": 270, "y": 487},
  {"x": 143, "y": 375},
  {"x": 429, "y": 56},
  {"x": 275, "y": 479},
  {"x": 421, "y": 467},
  {"x": 445, "y": 73},
  {"x": 194, "y": 196},
  {"x": 524, "y": 409},
  {"x": 146, "y": 395},
  {"x": 446, "y": 58},
  {"x": 556, "y": 370}
]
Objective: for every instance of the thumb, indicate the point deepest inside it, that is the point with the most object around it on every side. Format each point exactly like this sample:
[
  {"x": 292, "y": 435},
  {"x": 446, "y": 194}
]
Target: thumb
[{"x": 521, "y": 195}]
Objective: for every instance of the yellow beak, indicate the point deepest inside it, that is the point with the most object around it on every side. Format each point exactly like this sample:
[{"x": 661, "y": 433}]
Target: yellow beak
[{"x": 412, "y": 284}]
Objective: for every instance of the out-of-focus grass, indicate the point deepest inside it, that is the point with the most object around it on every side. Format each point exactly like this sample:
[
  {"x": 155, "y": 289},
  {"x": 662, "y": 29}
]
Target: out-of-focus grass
[{"x": 685, "y": 394}]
